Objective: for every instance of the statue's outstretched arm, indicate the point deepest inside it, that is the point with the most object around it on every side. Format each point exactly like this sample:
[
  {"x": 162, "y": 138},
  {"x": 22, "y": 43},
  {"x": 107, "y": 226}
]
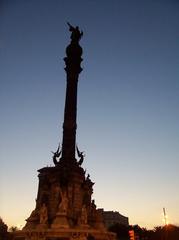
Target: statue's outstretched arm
[{"x": 70, "y": 27}]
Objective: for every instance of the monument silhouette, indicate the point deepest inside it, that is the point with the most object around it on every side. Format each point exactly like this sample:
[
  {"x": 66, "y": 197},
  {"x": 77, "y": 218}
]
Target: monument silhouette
[{"x": 64, "y": 205}]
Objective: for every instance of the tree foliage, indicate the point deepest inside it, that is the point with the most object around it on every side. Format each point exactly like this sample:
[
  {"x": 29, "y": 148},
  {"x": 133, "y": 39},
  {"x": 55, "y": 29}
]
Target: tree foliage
[{"x": 3, "y": 230}]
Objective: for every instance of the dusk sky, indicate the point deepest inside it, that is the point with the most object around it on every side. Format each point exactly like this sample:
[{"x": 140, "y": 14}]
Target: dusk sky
[{"x": 128, "y": 102}]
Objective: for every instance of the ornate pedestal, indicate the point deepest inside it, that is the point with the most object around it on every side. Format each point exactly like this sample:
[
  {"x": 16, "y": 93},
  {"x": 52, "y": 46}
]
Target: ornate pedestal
[
  {"x": 64, "y": 234},
  {"x": 60, "y": 221}
]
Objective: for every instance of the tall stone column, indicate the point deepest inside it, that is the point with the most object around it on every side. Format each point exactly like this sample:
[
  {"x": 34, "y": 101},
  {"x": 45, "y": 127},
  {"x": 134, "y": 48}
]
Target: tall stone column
[{"x": 73, "y": 69}]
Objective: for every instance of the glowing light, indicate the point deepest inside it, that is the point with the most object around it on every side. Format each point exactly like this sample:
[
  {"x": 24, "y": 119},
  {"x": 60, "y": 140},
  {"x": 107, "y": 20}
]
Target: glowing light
[
  {"x": 19, "y": 226},
  {"x": 165, "y": 217}
]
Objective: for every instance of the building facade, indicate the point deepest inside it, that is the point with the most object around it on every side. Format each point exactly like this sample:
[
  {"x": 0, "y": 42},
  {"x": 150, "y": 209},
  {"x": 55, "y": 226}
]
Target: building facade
[{"x": 113, "y": 217}]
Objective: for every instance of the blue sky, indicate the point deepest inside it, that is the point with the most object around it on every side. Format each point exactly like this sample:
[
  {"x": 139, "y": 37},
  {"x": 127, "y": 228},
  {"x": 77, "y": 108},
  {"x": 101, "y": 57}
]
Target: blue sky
[{"x": 128, "y": 98}]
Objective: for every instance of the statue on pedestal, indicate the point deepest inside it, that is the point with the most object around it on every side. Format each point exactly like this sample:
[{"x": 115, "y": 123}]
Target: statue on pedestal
[
  {"x": 61, "y": 219},
  {"x": 81, "y": 156},
  {"x": 56, "y": 156},
  {"x": 84, "y": 216},
  {"x": 75, "y": 33},
  {"x": 43, "y": 214},
  {"x": 63, "y": 206}
]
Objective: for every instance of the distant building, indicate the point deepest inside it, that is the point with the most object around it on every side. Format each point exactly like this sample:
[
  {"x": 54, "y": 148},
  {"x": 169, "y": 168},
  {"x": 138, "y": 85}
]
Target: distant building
[{"x": 111, "y": 217}]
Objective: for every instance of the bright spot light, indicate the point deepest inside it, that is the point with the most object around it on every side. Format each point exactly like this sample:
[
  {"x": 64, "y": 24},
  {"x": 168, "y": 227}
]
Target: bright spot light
[{"x": 19, "y": 226}]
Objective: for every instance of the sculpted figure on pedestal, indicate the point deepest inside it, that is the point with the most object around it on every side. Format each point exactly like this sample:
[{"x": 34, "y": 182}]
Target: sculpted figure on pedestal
[
  {"x": 56, "y": 156},
  {"x": 84, "y": 215},
  {"x": 43, "y": 214},
  {"x": 63, "y": 206},
  {"x": 33, "y": 216},
  {"x": 80, "y": 155},
  {"x": 75, "y": 33}
]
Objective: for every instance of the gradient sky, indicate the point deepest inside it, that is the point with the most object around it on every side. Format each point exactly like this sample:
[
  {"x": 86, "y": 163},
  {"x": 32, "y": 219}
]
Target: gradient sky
[{"x": 128, "y": 102}]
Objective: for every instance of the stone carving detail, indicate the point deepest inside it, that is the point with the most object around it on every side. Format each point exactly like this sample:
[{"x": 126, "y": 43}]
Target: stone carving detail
[
  {"x": 34, "y": 216},
  {"x": 84, "y": 216},
  {"x": 63, "y": 206},
  {"x": 81, "y": 156},
  {"x": 43, "y": 214},
  {"x": 75, "y": 33},
  {"x": 56, "y": 155}
]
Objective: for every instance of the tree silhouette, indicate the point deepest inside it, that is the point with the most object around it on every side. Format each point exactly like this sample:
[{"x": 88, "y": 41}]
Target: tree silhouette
[{"x": 3, "y": 230}]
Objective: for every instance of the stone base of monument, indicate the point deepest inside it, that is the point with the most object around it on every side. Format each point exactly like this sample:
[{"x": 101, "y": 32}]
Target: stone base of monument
[
  {"x": 60, "y": 221},
  {"x": 42, "y": 226},
  {"x": 84, "y": 226},
  {"x": 64, "y": 234}
]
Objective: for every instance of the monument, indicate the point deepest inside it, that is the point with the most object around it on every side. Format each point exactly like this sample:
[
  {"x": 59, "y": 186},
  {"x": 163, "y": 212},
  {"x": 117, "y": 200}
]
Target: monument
[{"x": 64, "y": 205}]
